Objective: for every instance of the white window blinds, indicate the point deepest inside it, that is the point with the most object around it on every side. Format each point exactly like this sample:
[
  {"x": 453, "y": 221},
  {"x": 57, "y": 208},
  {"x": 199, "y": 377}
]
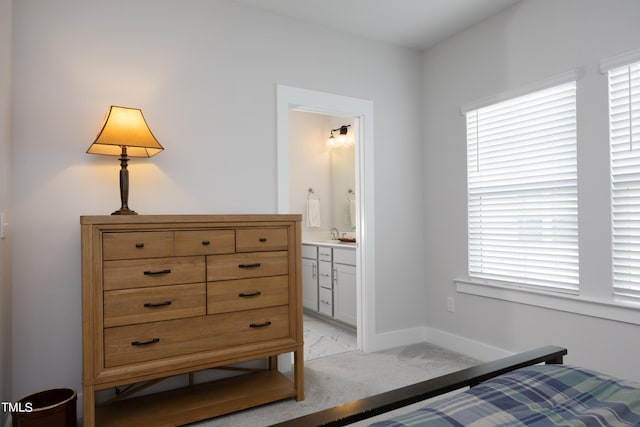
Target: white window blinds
[
  {"x": 522, "y": 190},
  {"x": 624, "y": 134}
]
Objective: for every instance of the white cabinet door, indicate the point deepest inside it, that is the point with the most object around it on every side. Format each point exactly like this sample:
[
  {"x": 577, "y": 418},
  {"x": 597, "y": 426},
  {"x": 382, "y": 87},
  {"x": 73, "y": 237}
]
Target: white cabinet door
[
  {"x": 310, "y": 284},
  {"x": 344, "y": 304}
]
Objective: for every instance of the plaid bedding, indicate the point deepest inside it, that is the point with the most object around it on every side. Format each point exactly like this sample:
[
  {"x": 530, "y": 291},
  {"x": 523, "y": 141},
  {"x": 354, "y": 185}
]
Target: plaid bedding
[{"x": 542, "y": 395}]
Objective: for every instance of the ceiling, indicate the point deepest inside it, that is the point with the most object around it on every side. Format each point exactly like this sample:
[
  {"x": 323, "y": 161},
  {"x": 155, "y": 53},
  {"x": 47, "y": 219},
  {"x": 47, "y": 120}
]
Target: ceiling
[{"x": 416, "y": 24}]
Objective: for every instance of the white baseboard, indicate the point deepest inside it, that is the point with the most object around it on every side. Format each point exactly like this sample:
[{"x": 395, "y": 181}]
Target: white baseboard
[
  {"x": 386, "y": 340},
  {"x": 477, "y": 350}
]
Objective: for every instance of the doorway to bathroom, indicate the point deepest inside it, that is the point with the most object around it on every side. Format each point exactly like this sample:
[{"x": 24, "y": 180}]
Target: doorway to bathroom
[
  {"x": 322, "y": 188},
  {"x": 355, "y": 209}
]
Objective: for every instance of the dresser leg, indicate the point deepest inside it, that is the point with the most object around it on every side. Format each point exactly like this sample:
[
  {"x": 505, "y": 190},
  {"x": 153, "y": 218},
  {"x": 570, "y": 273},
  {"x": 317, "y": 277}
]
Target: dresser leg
[
  {"x": 88, "y": 407},
  {"x": 298, "y": 370},
  {"x": 273, "y": 363}
]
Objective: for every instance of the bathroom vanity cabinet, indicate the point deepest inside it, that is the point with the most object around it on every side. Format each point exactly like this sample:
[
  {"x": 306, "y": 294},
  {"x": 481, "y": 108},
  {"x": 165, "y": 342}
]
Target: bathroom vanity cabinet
[{"x": 329, "y": 281}]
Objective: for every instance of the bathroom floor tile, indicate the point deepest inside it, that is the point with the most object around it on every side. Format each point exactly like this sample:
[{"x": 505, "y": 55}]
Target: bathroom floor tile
[{"x": 324, "y": 339}]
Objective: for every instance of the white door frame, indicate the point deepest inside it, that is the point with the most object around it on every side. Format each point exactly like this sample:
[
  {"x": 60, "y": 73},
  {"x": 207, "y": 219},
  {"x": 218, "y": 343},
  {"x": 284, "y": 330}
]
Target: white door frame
[{"x": 362, "y": 110}]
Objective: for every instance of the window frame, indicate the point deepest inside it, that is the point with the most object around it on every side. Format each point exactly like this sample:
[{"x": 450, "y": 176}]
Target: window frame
[
  {"x": 564, "y": 84},
  {"x": 624, "y": 173},
  {"x": 599, "y": 305}
]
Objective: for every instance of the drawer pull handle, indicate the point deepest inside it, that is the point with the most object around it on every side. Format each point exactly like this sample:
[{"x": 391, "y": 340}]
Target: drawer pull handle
[
  {"x": 263, "y": 239},
  {"x": 256, "y": 265},
  {"x": 157, "y": 304},
  {"x": 153, "y": 273},
  {"x": 251, "y": 294},
  {"x": 205, "y": 243},
  {"x": 139, "y": 245},
  {"x": 151, "y": 341},
  {"x": 260, "y": 325}
]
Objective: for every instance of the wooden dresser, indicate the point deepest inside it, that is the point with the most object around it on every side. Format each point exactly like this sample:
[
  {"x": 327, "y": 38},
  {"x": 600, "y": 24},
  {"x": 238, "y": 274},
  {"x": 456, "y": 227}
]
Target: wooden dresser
[{"x": 164, "y": 295}]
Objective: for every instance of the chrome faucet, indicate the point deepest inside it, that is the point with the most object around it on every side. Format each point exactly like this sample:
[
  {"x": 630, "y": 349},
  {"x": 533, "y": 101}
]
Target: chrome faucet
[{"x": 335, "y": 233}]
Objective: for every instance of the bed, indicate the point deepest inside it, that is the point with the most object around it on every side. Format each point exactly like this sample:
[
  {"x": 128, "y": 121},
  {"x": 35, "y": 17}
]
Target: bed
[{"x": 514, "y": 391}]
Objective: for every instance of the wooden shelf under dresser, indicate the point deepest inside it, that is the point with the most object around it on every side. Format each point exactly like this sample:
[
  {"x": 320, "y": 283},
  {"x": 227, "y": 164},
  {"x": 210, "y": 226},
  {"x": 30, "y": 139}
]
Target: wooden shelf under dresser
[{"x": 165, "y": 295}]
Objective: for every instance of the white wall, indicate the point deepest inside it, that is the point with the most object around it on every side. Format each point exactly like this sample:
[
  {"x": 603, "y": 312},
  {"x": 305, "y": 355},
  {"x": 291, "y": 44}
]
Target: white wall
[
  {"x": 5, "y": 256},
  {"x": 205, "y": 73},
  {"x": 529, "y": 42}
]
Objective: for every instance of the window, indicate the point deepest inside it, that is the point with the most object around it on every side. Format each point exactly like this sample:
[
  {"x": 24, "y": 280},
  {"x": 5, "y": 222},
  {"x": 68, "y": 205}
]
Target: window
[
  {"x": 522, "y": 191},
  {"x": 624, "y": 135}
]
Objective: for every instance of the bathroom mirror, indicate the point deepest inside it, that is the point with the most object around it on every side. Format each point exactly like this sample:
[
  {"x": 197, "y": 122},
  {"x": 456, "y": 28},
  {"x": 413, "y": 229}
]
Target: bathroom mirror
[{"x": 343, "y": 183}]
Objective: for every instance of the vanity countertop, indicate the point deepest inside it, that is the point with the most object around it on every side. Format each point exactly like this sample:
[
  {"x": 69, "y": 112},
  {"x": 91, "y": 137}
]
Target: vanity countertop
[{"x": 331, "y": 243}]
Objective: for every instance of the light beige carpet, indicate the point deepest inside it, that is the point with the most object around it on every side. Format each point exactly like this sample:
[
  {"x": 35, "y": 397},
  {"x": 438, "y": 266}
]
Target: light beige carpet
[{"x": 340, "y": 378}]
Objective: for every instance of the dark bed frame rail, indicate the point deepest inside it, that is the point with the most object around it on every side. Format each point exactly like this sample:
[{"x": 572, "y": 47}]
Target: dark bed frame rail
[{"x": 358, "y": 410}]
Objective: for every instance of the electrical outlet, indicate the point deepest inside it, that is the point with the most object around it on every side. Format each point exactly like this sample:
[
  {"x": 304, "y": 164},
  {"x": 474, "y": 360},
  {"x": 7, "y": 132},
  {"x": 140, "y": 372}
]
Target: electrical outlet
[{"x": 451, "y": 305}]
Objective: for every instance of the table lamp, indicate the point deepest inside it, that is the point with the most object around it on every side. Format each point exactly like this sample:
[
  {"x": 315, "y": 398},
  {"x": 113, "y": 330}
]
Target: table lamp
[{"x": 125, "y": 133}]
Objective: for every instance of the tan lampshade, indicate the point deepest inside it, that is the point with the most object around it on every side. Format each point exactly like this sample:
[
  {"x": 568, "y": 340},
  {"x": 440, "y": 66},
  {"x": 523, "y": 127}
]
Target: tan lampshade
[{"x": 125, "y": 127}]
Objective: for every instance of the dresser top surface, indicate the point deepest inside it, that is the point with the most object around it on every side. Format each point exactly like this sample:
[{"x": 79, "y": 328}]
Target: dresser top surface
[{"x": 165, "y": 219}]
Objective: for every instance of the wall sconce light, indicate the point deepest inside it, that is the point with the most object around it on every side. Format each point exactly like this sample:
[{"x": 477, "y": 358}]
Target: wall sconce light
[
  {"x": 125, "y": 133},
  {"x": 341, "y": 139}
]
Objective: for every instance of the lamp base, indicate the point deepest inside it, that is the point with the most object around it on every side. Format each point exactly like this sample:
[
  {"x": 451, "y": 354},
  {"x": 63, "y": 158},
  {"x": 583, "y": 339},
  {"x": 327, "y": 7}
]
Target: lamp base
[{"x": 124, "y": 211}]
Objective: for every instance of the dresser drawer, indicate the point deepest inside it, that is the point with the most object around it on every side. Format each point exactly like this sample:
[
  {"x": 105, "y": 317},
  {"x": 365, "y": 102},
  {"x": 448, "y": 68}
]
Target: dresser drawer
[
  {"x": 262, "y": 239},
  {"x": 135, "y": 245},
  {"x": 138, "y": 273},
  {"x": 245, "y": 294},
  {"x": 246, "y": 265},
  {"x": 130, "y": 306},
  {"x": 127, "y": 345},
  {"x": 205, "y": 242}
]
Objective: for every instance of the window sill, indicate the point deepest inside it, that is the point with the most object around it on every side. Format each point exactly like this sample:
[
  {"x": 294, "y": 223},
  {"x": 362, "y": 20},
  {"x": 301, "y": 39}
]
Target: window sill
[{"x": 620, "y": 311}]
